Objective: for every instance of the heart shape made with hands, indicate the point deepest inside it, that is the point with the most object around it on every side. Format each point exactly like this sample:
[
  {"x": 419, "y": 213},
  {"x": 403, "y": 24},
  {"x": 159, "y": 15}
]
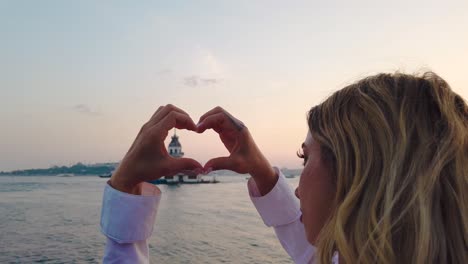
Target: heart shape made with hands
[
  {"x": 232, "y": 132},
  {"x": 148, "y": 159},
  {"x": 229, "y": 129}
]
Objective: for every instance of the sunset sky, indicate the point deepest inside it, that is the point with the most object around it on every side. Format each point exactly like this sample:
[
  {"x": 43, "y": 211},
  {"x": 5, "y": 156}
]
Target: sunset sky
[{"x": 79, "y": 78}]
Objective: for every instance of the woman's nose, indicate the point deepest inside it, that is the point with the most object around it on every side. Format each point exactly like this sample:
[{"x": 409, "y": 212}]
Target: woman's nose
[{"x": 296, "y": 192}]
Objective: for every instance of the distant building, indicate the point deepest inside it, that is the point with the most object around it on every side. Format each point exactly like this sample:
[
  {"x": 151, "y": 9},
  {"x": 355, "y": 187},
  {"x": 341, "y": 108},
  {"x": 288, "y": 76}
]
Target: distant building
[{"x": 175, "y": 150}]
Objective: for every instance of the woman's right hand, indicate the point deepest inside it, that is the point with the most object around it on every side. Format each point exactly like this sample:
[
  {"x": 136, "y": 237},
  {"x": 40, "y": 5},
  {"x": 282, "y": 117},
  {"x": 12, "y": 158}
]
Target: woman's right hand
[
  {"x": 245, "y": 156},
  {"x": 147, "y": 159}
]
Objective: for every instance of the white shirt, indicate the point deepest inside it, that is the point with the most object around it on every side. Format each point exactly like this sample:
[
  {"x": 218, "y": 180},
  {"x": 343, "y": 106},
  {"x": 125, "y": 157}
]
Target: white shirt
[{"x": 127, "y": 221}]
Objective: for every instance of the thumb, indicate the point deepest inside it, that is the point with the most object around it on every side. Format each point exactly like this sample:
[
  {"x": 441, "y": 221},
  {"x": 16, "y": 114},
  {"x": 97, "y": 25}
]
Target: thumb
[
  {"x": 221, "y": 163},
  {"x": 184, "y": 165}
]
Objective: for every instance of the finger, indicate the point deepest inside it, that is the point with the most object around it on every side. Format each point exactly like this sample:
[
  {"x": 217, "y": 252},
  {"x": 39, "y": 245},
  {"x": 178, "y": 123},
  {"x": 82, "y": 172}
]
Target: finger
[
  {"x": 145, "y": 127},
  {"x": 215, "y": 110},
  {"x": 157, "y": 111},
  {"x": 214, "y": 121},
  {"x": 221, "y": 163},
  {"x": 220, "y": 122},
  {"x": 163, "y": 112},
  {"x": 148, "y": 124},
  {"x": 186, "y": 165},
  {"x": 177, "y": 120}
]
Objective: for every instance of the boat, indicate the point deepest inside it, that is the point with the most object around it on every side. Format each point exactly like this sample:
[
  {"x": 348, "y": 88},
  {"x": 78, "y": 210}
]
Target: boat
[
  {"x": 163, "y": 180},
  {"x": 105, "y": 175},
  {"x": 66, "y": 175}
]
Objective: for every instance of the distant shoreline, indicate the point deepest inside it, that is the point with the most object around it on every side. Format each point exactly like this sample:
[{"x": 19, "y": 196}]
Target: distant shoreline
[
  {"x": 78, "y": 169},
  {"x": 81, "y": 169}
]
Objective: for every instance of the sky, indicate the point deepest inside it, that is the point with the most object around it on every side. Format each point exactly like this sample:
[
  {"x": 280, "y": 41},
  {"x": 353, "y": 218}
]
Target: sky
[{"x": 79, "y": 78}]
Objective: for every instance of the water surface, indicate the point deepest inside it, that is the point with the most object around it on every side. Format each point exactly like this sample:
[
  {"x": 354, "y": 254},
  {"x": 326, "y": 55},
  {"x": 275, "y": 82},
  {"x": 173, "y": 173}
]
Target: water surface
[{"x": 47, "y": 219}]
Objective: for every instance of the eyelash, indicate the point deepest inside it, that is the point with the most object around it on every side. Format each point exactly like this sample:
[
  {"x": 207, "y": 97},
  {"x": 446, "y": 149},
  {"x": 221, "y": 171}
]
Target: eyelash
[{"x": 302, "y": 156}]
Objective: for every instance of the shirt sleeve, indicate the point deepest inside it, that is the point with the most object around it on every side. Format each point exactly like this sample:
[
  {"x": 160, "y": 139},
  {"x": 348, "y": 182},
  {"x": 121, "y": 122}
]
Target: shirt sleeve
[
  {"x": 280, "y": 209},
  {"x": 127, "y": 221}
]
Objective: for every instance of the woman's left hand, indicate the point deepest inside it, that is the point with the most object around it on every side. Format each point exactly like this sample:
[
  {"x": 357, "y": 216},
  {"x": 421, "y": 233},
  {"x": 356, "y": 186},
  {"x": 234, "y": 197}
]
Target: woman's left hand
[{"x": 147, "y": 159}]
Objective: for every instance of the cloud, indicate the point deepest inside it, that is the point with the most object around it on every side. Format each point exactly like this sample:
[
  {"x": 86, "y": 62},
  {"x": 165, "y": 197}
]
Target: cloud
[
  {"x": 210, "y": 81},
  {"x": 195, "y": 80},
  {"x": 164, "y": 72},
  {"x": 191, "y": 81},
  {"x": 86, "y": 110}
]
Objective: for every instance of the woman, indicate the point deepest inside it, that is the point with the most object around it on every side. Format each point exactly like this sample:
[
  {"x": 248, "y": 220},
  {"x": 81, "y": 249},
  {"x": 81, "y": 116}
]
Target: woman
[{"x": 385, "y": 176}]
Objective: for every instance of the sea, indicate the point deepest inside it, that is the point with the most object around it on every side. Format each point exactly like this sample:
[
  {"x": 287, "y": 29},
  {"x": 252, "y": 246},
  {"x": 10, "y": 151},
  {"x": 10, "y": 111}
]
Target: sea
[{"x": 49, "y": 219}]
